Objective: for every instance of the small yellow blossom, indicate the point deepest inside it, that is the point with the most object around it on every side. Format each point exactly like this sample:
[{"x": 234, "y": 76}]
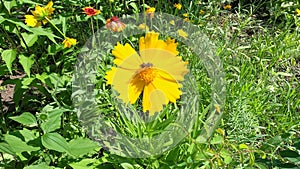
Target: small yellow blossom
[
  {"x": 68, "y": 42},
  {"x": 186, "y": 19},
  {"x": 227, "y": 7},
  {"x": 178, "y": 6},
  {"x": 150, "y": 11},
  {"x": 298, "y": 12},
  {"x": 185, "y": 15},
  {"x": 201, "y": 12},
  {"x": 30, "y": 20},
  {"x": 143, "y": 26},
  {"x": 39, "y": 15},
  {"x": 182, "y": 33},
  {"x": 172, "y": 22}
]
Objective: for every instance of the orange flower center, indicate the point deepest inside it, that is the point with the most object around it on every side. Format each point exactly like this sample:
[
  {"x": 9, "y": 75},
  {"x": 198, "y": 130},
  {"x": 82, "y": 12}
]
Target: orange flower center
[{"x": 147, "y": 73}]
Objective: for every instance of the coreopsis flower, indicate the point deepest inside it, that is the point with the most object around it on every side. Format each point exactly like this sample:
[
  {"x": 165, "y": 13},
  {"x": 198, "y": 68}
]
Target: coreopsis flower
[
  {"x": 154, "y": 72},
  {"x": 298, "y": 12},
  {"x": 201, "y": 12},
  {"x": 182, "y": 33},
  {"x": 185, "y": 15},
  {"x": 114, "y": 24},
  {"x": 143, "y": 26},
  {"x": 68, "y": 42},
  {"x": 227, "y": 7},
  {"x": 90, "y": 11},
  {"x": 178, "y": 6},
  {"x": 172, "y": 22},
  {"x": 39, "y": 15},
  {"x": 150, "y": 11}
]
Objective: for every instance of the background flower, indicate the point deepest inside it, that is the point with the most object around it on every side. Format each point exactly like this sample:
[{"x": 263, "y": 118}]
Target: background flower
[{"x": 90, "y": 11}]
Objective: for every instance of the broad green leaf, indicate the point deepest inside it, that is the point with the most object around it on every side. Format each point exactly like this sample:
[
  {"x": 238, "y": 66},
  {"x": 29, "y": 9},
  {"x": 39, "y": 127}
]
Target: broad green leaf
[
  {"x": 243, "y": 146},
  {"x": 43, "y": 166},
  {"x": 81, "y": 146},
  {"x": 9, "y": 56},
  {"x": 217, "y": 139},
  {"x": 51, "y": 124},
  {"x": 226, "y": 155},
  {"x": 26, "y": 63},
  {"x": 28, "y": 134},
  {"x": 30, "y": 39},
  {"x": 43, "y": 32},
  {"x": 55, "y": 141},
  {"x": 9, "y": 4},
  {"x": 5, "y": 148},
  {"x": 26, "y": 119},
  {"x": 17, "y": 145},
  {"x": 85, "y": 164},
  {"x": 127, "y": 166}
]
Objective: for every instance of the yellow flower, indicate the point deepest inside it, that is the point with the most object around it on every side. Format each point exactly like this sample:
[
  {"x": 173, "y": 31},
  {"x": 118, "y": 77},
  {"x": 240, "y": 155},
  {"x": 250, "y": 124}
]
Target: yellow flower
[
  {"x": 30, "y": 20},
  {"x": 154, "y": 72},
  {"x": 68, "y": 42},
  {"x": 178, "y": 6},
  {"x": 298, "y": 12},
  {"x": 150, "y": 11},
  {"x": 201, "y": 12},
  {"x": 39, "y": 15},
  {"x": 182, "y": 33},
  {"x": 226, "y": 7},
  {"x": 185, "y": 15},
  {"x": 172, "y": 22},
  {"x": 143, "y": 26},
  {"x": 186, "y": 19}
]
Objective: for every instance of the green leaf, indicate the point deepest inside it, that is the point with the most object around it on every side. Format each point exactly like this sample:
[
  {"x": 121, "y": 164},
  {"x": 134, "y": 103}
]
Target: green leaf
[
  {"x": 5, "y": 148},
  {"x": 26, "y": 63},
  {"x": 43, "y": 32},
  {"x": 127, "y": 166},
  {"x": 51, "y": 124},
  {"x": 217, "y": 139},
  {"x": 17, "y": 145},
  {"x": 28, "y": 134},
  {"x": 291, "y": 156},
  {"x": 9, "y": 56},
  {"x": 55, "y": 141},
  {"x": 243, "y": 146},
  {"x": 85, "y": 164},
  {"x": 9, "y": 4},
  {"x": 30, "y": 39},
  {"x": 81, "y": 146},
  {"x": 26, "y": 119},
  {"x": 43, "y": 166}
]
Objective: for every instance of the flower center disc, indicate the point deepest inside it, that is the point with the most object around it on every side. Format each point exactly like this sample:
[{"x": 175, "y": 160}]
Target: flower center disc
[{"x": 147, "y": 74}]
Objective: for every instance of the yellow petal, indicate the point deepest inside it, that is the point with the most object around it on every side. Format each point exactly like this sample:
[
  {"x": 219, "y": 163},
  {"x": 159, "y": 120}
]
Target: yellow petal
[
  {"x": 126, "y": 52},
  {"x": 151, "y": 41},
  {"x": 166, "y": 61},
  {"x": 135, "y": 89},
  {"x": 168, "y": 85},
  {"x": 120, "y": 80},
  {"x": 153, "y": 99},
  {"x": 30, "y": 20}
]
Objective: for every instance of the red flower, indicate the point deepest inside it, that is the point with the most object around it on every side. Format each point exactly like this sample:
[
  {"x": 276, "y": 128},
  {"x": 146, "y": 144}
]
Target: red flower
[
  {"x": 90, "y": 11},
  {"x": 114, "y": 24}
]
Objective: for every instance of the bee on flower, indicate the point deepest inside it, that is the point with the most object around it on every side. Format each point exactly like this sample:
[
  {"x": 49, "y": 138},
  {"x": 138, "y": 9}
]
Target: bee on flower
[
  {"x": 90, "y": 11},
  {"x": 114, "y": 24},
  {"x": 40, "y": 16}
]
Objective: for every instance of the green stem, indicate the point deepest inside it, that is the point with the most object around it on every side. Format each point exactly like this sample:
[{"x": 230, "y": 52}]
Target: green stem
[
  {"x": 56, "y": 27},
  {"x": 22, "y": 38}
]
